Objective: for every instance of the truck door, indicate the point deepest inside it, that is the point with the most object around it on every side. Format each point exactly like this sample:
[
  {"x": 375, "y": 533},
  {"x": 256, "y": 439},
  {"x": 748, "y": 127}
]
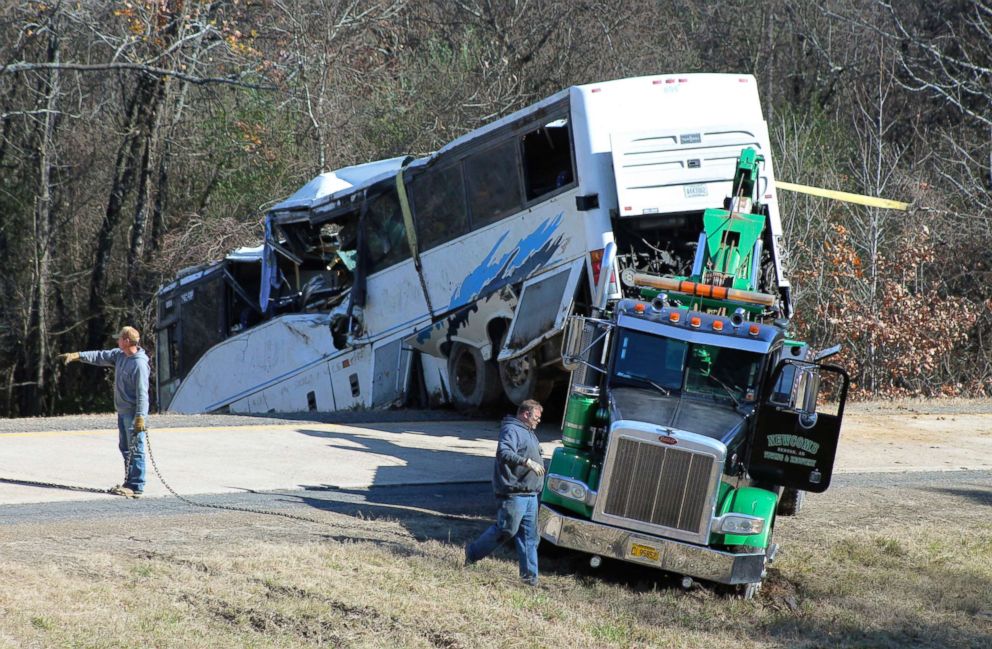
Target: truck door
[{"x": 798, "y": 426}]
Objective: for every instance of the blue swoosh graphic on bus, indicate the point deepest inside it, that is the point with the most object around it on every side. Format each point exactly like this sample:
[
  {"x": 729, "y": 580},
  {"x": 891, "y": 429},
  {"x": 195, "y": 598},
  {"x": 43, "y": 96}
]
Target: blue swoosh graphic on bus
[{"x": 533, "y": 251}]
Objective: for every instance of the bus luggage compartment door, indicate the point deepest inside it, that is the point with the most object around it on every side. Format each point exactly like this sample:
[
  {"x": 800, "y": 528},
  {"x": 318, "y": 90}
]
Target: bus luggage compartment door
[{"x": 545, "y": 302}]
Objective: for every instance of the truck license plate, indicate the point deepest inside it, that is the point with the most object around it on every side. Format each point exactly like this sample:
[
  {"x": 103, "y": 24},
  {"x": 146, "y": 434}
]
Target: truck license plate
[{"x": 644, "y": 551}]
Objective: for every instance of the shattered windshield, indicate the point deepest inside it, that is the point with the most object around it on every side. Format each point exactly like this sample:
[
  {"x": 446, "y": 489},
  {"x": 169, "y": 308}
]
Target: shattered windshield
[{"x": 667, "y": 365}]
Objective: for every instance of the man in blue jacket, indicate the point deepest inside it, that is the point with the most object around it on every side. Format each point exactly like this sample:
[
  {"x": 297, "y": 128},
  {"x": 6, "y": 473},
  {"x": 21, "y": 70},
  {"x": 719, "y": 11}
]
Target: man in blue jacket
[
  {"x": 518, "y": 477},
  {"x": 131, "y": 372}
]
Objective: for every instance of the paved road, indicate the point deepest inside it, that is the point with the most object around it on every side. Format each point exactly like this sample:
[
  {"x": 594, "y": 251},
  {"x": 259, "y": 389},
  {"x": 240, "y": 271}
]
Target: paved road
[
  {"x": 208, "y": 455},
  {"x": 245, "y": 455}
]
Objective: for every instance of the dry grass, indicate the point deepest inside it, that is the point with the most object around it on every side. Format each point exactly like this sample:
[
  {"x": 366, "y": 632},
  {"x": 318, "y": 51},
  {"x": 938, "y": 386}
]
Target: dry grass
[{"x": 860, "y": 568}]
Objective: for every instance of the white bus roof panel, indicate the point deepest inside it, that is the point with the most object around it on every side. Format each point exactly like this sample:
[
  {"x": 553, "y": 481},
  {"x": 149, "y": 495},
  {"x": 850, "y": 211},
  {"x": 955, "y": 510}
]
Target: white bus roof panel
[{"x": 332, "y": 182}]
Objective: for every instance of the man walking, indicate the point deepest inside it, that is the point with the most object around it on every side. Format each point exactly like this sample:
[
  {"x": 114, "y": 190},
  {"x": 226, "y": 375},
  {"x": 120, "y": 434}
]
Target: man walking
[
  {"x": 131, "y": 372},
  {"x": 517, "y": 480}
]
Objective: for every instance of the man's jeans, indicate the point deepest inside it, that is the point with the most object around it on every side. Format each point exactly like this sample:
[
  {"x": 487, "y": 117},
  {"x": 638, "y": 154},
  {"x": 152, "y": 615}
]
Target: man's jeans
[
  {"x": 517, "y": 520},
  {"x": 134, "y": 468}
]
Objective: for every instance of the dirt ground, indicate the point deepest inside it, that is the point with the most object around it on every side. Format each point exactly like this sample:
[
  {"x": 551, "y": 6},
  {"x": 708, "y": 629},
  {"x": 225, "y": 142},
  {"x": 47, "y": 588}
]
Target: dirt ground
[{"x": 916, "y": 435}]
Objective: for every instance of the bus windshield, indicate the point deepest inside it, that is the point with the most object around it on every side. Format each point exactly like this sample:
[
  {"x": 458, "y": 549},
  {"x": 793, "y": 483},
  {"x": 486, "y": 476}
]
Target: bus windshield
[{"x": 668, "y": 365}]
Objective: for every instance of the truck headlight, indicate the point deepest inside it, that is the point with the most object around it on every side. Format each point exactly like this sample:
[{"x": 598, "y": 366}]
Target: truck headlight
[
  {"x": 742, "y": 524},
  {"x": 572, "y": 489}
]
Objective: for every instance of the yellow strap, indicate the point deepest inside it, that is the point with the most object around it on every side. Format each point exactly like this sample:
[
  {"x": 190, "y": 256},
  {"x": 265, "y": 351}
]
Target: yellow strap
[
  {"x": 411, "y": 233},
  {"x": 871, "y": 201}
]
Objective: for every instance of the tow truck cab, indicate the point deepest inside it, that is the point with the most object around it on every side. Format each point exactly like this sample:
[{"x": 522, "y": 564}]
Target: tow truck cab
[{"x": 682, "y": 432}]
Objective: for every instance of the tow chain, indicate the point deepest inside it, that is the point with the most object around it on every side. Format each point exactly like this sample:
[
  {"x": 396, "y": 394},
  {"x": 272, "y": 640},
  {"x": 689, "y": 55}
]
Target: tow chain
[
  {"x": 233, "y": 508},
  {"x": 269, "y": 512},
  {"x": 54, "y": 485}
]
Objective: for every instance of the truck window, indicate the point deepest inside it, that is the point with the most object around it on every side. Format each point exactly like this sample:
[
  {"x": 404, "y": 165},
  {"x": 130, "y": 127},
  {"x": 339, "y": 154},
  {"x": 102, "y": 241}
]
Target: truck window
[
  {"x": 721, "y": 371},
  {"x": 643, "y": 357}
]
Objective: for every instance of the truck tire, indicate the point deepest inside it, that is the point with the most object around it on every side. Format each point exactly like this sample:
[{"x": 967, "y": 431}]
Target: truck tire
[
  {"x": 748, "y": 591},
  {"x": 521, "y": 379},
  {"x": 473, "y": 381},
  {"x": 791, "y": 502}
]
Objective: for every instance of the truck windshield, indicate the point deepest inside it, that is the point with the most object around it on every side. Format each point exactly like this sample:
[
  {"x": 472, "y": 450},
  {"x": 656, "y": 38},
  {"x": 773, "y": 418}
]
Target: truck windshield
[
  {"x": 721, "y": 371},
  {"x": 668, "y": 364},
  {"x": 644, "y": 358}
]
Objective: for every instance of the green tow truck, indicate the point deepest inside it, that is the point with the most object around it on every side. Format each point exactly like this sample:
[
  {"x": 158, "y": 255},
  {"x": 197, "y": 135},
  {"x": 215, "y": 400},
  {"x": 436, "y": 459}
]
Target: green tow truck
[{"x": 693, "y": 421}]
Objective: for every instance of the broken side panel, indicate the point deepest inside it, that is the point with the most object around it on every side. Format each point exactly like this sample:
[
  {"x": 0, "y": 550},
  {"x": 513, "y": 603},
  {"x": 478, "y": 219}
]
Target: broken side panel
[
  {"x": 390, "y": 374},
  {"x": 545, "y": 302}
]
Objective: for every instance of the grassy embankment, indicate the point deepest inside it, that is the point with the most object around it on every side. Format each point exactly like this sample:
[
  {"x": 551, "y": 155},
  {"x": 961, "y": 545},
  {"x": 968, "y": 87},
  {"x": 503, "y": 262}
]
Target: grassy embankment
[{"x": 861, "y": 567}]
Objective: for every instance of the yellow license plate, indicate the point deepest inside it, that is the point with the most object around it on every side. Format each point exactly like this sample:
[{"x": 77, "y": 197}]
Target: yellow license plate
[{"x": 644, "y": 551}]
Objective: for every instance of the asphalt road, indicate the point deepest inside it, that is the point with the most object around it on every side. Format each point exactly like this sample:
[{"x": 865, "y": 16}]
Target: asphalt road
[
  {"x": 464, "y": 499},
  {"x": 385, "y": 462}
]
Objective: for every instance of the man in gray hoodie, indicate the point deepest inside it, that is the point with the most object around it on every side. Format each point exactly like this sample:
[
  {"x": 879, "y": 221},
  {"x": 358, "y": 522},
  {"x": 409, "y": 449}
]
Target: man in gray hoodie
[
  {"x": 518, "y": 477},
  {"x": 131, "y": 372}
]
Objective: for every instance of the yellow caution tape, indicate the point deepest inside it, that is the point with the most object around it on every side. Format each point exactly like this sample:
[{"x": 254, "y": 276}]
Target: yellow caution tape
[{"x": 871, "y": 201}]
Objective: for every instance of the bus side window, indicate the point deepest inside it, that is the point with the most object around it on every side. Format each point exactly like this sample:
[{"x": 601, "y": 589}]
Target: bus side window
[
  {"x": 547, "y": 155},
  {"x": 387, "y": 243},
  {"x": 493, "y": 183},
  {"x": 438, "y": 198}
]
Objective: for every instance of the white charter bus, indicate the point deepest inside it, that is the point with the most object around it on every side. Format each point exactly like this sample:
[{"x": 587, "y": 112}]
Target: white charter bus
[{"x": 448, "y": 278}]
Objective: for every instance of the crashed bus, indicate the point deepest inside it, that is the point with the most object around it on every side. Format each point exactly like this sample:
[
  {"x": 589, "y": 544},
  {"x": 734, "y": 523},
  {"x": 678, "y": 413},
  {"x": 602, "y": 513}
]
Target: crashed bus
[{"x": 449, "y": 278}]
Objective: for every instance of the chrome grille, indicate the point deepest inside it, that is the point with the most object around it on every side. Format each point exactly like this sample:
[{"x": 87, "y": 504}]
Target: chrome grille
[{"x": 659, "y": 485}]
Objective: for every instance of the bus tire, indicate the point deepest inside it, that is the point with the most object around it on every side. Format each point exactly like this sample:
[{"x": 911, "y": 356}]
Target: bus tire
[
  {"x": 521, "y": 379},
  {"x": 473, "y": 381}
]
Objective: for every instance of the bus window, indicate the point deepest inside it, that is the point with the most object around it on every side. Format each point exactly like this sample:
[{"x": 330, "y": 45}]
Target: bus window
[
  {"x": 492, "y": 180},
  {"x": 439, "y": 206},
  {"x": 547, "y": 154},
  {"x": 387, "y": 244}
]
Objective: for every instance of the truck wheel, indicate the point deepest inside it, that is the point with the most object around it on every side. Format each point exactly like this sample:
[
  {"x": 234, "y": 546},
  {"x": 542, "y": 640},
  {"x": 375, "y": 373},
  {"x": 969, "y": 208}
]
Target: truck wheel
[
  {"x": 791, "y": 502},
  {"x": 473, "y": 381},
  {"x": 522, "y": 380},
  {"x": 748, "y": 591}
]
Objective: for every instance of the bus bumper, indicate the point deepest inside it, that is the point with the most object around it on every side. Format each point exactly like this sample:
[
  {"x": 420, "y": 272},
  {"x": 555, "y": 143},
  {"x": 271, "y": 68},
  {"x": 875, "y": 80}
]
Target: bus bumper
[{"x": 611, "y": 542}]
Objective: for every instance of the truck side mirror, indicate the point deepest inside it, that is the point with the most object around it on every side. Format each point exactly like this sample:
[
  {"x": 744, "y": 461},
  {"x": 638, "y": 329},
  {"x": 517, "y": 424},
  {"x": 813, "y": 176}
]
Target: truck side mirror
[
  {"x": 571, "y": 346},
  {"x": 584, "y": 344}
]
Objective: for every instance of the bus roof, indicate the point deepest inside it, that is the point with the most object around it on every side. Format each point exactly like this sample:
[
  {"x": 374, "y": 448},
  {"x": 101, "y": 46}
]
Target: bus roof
[
  {"x": 341, "y": 180},
  {"x": 631, "y": 95}
]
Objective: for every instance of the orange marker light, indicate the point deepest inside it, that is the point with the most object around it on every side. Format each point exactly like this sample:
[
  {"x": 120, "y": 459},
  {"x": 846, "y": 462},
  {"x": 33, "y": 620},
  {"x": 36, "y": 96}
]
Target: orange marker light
[
  {"x": 639, "y": 307},
  {"x": 674, "y": 316},
  {"x": 694, "y": 322},
  {"x": 754, "y": 329},
  {"x": 718, "y": 325}
]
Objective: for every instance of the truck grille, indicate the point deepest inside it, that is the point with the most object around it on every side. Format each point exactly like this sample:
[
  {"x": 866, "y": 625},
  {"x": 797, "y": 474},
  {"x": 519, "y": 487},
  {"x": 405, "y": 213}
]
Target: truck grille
[{"x": 659, "y": 485}]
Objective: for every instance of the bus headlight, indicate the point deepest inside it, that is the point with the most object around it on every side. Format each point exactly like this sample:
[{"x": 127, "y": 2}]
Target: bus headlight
[{"x": 742, "y": 524}]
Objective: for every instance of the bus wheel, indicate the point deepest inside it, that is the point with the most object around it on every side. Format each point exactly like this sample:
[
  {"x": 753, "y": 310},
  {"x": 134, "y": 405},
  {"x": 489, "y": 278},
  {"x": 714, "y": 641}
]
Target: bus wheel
[
  {"x": 473, "y": 381},
  {"x": 522, "y": 380}
]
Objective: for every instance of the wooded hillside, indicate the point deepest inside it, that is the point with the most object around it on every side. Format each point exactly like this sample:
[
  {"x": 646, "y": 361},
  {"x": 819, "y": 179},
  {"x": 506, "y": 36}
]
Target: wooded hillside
[{"x": 141, "y": 137}]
